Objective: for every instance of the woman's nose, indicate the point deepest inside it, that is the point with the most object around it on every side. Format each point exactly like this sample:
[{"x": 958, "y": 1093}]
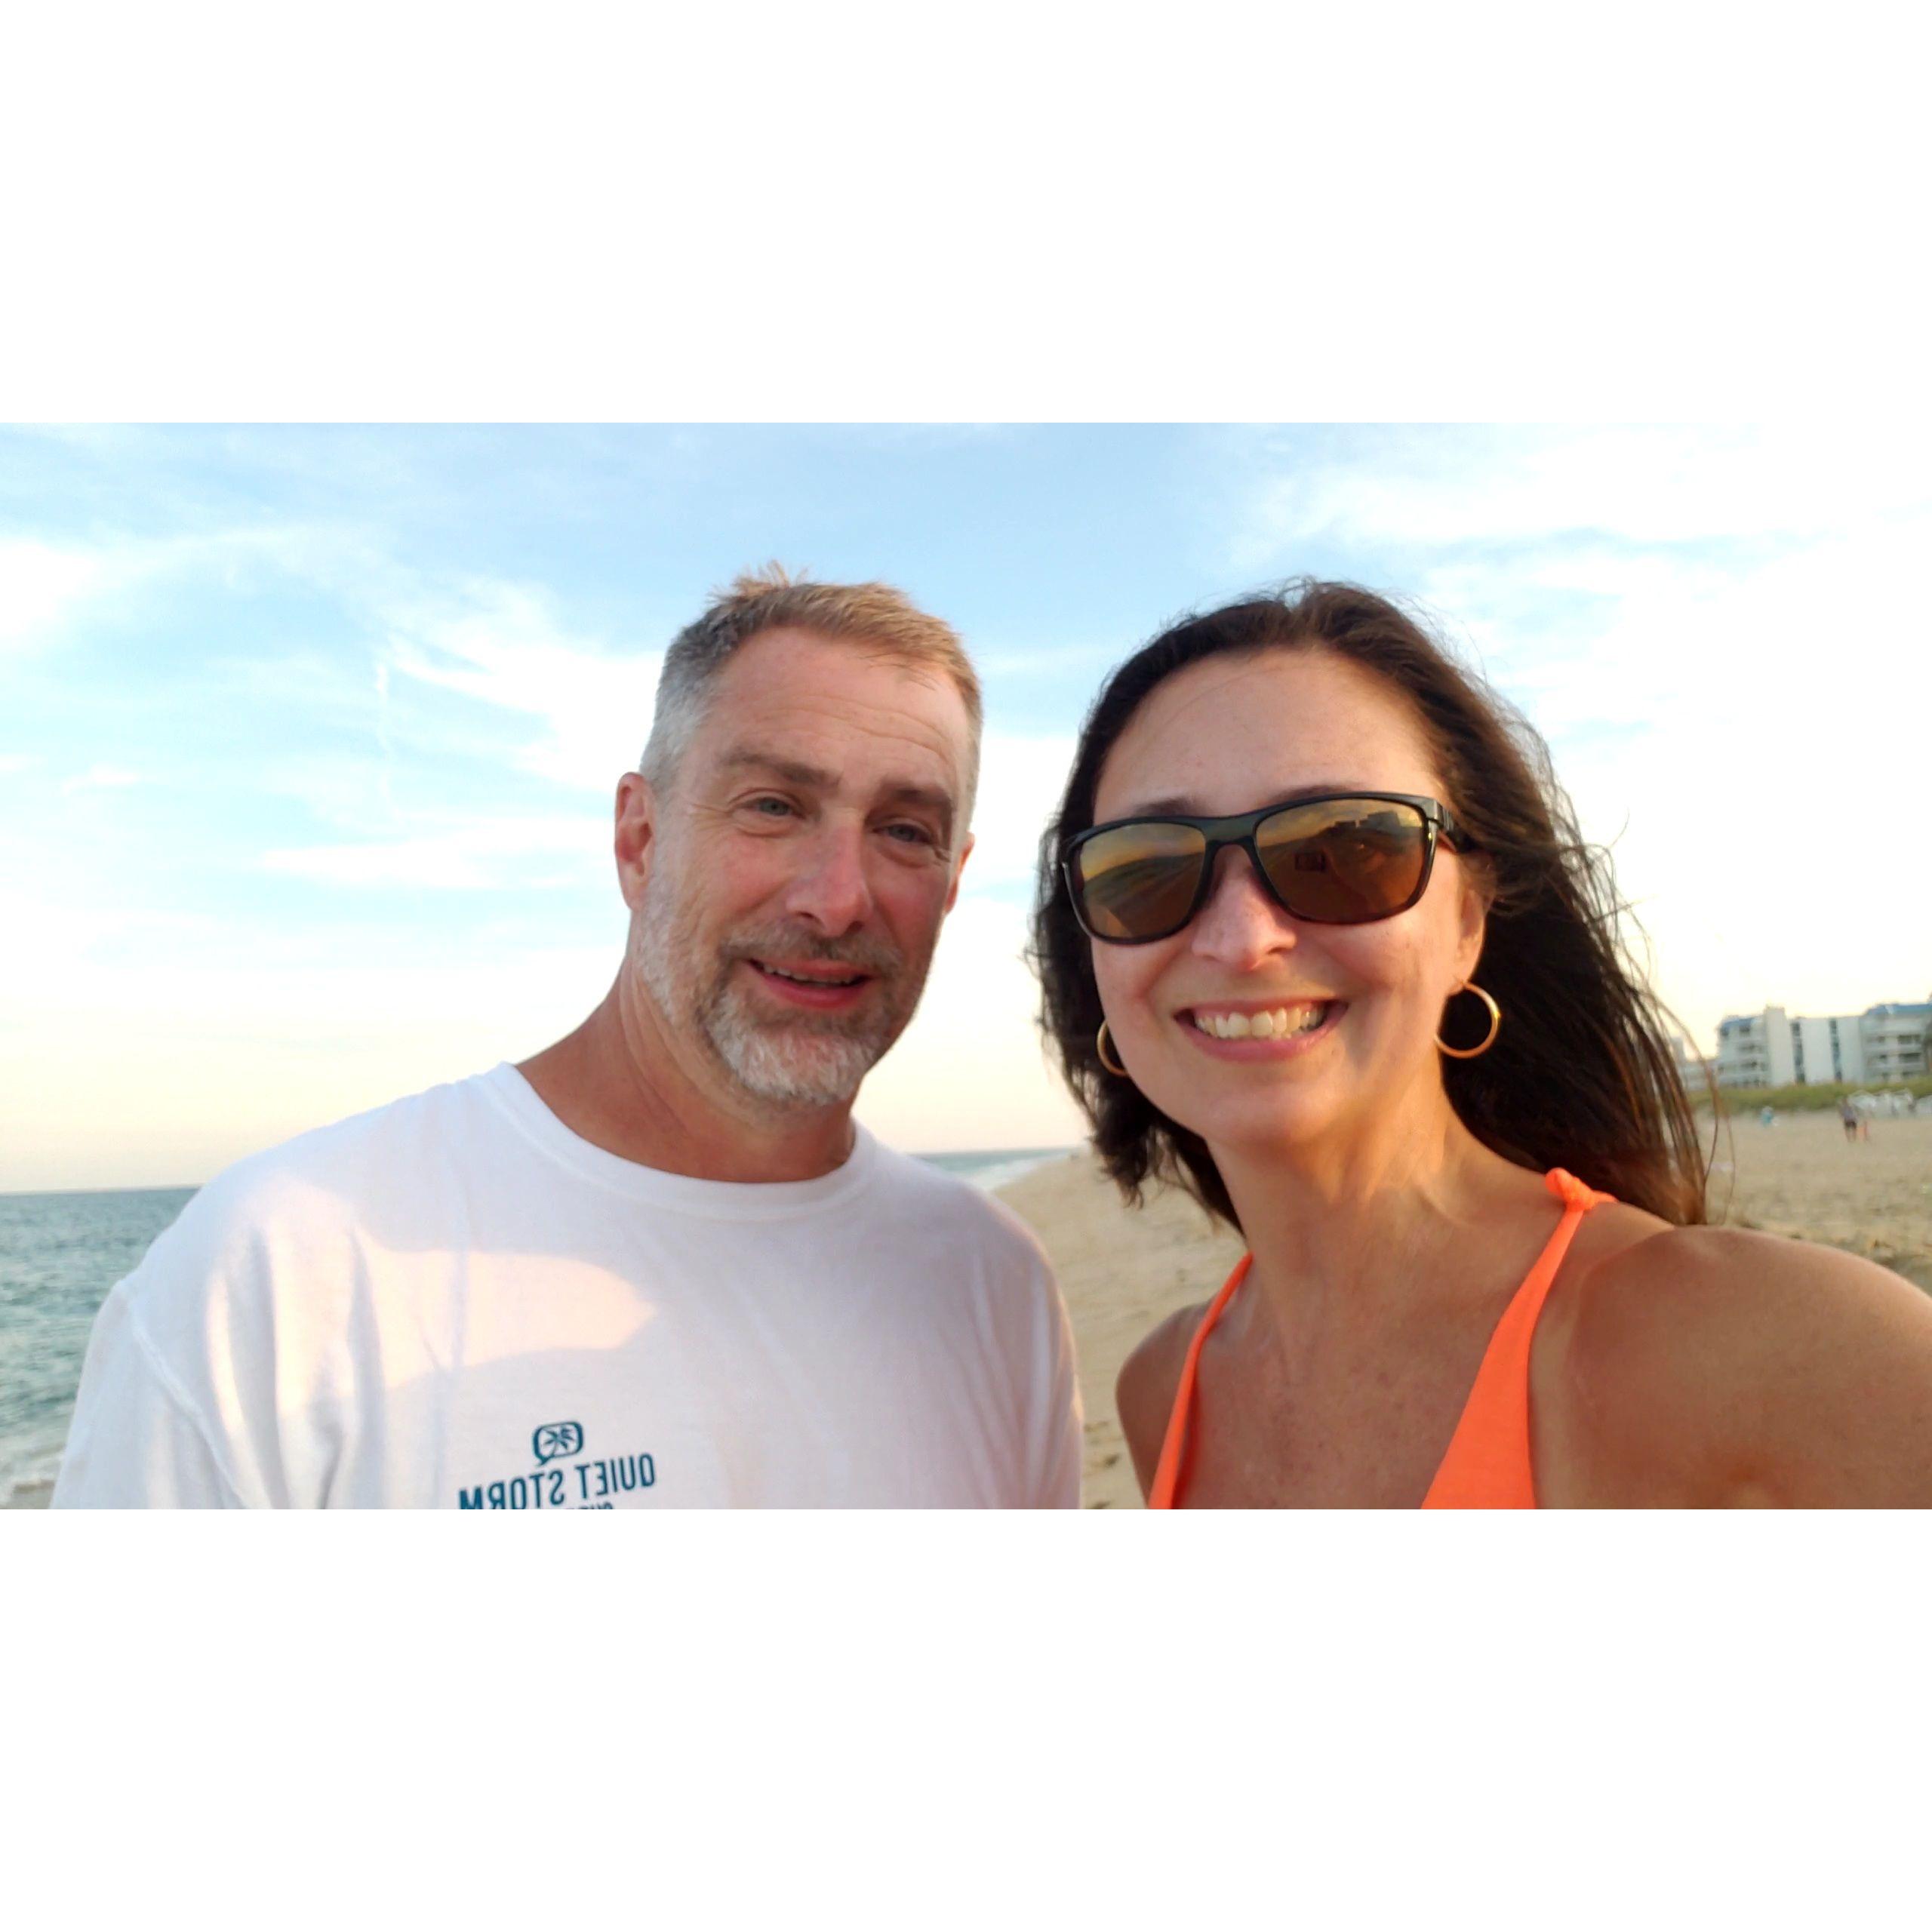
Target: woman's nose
[{"x": 1241, "y": 923}]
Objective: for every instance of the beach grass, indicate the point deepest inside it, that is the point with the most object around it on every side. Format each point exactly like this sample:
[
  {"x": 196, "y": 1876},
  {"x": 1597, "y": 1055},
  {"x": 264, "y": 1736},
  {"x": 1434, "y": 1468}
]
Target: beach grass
[{"x": 1800, "y": 1100}]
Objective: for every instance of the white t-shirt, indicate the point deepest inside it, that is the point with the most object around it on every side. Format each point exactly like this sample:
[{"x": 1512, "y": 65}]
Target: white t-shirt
[{"x": 454, "y": 1301}]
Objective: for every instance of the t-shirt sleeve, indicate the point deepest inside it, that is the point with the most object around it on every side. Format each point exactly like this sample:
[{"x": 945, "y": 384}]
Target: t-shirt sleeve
[
  {"x": 136, "y": 1442},
  {"x": 1057, "y": 1434}
]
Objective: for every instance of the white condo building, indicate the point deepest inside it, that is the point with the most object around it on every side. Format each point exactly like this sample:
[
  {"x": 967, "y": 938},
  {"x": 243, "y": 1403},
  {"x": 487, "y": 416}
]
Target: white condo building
[
  {"x": 1770, "y": 1049},
  {"x": 1898, "y": 1041}
]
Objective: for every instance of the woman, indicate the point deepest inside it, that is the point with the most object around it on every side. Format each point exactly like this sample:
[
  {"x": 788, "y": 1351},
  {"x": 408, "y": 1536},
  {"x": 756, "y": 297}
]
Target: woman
[{"x": 1319, "y": 940}]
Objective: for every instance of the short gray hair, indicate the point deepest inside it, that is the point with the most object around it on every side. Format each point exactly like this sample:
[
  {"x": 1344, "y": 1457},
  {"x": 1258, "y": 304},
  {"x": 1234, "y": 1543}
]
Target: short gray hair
[{"x": 874, "y": 616}]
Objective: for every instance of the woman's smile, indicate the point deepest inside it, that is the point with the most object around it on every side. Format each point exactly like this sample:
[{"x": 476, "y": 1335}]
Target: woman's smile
[{"x": 1260, "y": 1030}]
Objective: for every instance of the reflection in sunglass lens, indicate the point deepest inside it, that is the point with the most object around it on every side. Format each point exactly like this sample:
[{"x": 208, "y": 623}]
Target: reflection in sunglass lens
[
  {"x": 1343, "y": 860},
  {"x": 1139, "y": 880}
]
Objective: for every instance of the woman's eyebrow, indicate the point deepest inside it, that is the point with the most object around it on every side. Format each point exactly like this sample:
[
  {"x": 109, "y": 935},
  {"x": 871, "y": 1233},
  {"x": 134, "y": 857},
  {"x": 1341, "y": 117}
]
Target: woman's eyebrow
[
  {"x": 1184, "y": 804},
  {"x": 1179, "y": 805}
]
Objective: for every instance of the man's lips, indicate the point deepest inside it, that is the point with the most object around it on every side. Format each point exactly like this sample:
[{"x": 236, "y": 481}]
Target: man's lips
[{"x": 822, "y": 984}]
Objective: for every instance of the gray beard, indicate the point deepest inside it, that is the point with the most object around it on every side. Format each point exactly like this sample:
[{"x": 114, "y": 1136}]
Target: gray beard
[{"x": 803, "y": 1060}]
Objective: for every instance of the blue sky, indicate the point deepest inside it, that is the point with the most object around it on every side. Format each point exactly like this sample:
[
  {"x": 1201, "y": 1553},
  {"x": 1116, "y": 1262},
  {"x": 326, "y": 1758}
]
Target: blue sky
[{"x": 309, "y": 735}]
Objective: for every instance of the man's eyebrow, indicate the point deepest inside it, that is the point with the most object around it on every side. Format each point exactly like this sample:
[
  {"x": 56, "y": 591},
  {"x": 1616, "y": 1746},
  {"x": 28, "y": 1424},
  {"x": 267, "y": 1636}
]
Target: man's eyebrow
[{"x": 750, "y": 759}]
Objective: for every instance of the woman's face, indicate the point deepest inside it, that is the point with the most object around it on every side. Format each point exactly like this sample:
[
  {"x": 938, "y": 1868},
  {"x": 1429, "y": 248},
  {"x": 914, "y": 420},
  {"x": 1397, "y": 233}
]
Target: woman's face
[{"x": 1355, "y": 1009}]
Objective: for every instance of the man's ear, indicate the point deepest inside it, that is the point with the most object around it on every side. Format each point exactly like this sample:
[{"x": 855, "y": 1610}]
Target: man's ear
[
  {"x": 634, "y": 837},
  {"x": 965, "y": 853}
]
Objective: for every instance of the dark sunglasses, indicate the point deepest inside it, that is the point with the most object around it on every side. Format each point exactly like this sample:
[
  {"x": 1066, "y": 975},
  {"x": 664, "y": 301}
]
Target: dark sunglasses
[{"x": 1342, "y": 859}]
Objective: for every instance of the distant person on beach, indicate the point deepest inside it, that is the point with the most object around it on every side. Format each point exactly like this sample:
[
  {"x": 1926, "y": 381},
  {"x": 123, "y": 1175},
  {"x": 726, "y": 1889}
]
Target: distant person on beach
[
  {"x": 1320, "y": 942},
  {"x": 657, "y": 1264},
  {"x": 1849, "y": 1115}
]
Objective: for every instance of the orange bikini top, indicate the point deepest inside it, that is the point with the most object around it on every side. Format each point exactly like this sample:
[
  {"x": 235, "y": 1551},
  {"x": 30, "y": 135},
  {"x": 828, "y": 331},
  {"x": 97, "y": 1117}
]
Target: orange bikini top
[{"x": 1488, "y": 1465}]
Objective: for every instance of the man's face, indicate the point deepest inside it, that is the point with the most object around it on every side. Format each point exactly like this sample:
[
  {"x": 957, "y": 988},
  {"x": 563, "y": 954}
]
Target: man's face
[{"x": 790, "y": 886}]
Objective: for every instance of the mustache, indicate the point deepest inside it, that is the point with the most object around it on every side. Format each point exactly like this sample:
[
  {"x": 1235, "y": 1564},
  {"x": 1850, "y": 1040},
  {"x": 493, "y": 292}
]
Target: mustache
[{"x": 790, "y": 942}]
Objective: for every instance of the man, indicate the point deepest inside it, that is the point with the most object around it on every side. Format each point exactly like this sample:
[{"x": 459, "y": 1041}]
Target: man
[{"x": 659, "y": 1263}]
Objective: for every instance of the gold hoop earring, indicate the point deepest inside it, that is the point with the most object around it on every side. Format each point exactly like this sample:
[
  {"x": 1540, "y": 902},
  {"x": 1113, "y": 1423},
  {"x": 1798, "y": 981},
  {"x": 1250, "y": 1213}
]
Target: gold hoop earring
[
  {"x": 1101, "y": 1048},
  {"x": 1488, "y": 1039}
]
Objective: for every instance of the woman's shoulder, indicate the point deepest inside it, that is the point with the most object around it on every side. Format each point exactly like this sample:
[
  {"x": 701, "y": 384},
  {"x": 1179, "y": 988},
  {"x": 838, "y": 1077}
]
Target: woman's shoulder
[
  {"x": 1741, "y": 1355},
  {"x": 1144, "y": 1390},
  {"x": 1646, "y": 1275}
]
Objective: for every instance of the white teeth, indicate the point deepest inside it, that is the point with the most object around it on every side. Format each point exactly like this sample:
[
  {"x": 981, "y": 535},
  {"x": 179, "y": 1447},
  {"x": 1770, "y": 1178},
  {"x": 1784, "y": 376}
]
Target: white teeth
[
  {"x": 1275, "y": 1024},
  {"x": 799, "y": 978}
]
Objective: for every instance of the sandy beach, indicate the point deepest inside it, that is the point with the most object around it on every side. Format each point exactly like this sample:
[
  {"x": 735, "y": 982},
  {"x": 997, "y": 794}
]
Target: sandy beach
[
  {"x": 1801, "y": 1177},
  {"x": 1122, "y": 1271}
]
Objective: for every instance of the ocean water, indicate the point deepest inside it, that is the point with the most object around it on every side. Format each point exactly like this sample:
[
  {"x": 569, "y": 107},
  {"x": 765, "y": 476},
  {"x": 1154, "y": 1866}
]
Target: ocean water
[
  {"x": 990, "y": 1170},
  {"x": 60, "y": 1253}
]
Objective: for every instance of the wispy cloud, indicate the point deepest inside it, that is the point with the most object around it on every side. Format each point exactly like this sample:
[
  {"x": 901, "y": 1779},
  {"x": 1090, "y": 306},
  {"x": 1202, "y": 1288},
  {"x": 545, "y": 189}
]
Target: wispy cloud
[
  {"x": 473, "y": 856},
  {"x": 1444, "y": 488},
  {"x": 503, "y": 645},
  {"x": 100, "y": 778},
  {"x": 1006, "y": 665},
  {"x": 50, "y": 590},
  {"x": 43, "y": 585},
  {"x": 1624, "y": 574}
]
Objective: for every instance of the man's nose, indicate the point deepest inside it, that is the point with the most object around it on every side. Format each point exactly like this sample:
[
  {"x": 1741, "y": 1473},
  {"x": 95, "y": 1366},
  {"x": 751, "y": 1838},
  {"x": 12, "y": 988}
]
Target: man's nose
[
  {"x": 1241, "y": 924},
  {"x": 831, "y": 888}
]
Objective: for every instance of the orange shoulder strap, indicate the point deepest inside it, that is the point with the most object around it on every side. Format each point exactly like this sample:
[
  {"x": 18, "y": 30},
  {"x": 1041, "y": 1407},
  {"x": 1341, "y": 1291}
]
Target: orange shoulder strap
[
  {"x": 1173, "y": 1444},
  {"x": 1488, "y": 1464}
]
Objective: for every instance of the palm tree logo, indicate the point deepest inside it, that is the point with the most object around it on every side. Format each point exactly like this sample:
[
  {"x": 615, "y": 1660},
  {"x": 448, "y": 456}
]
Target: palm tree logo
[{"x": 556, "y": 1439}]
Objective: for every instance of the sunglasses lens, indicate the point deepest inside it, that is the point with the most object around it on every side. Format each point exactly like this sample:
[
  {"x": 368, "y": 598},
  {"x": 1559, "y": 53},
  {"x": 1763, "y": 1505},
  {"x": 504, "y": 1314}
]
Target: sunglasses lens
[
  {"x": 1137, "y": 881},
  {"x": 1344, "y": 861}
]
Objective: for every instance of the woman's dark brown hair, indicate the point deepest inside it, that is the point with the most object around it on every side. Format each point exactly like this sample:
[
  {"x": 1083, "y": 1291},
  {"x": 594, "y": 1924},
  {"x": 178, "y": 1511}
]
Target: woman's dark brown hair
[{"x": 1582, "y": 1075}]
